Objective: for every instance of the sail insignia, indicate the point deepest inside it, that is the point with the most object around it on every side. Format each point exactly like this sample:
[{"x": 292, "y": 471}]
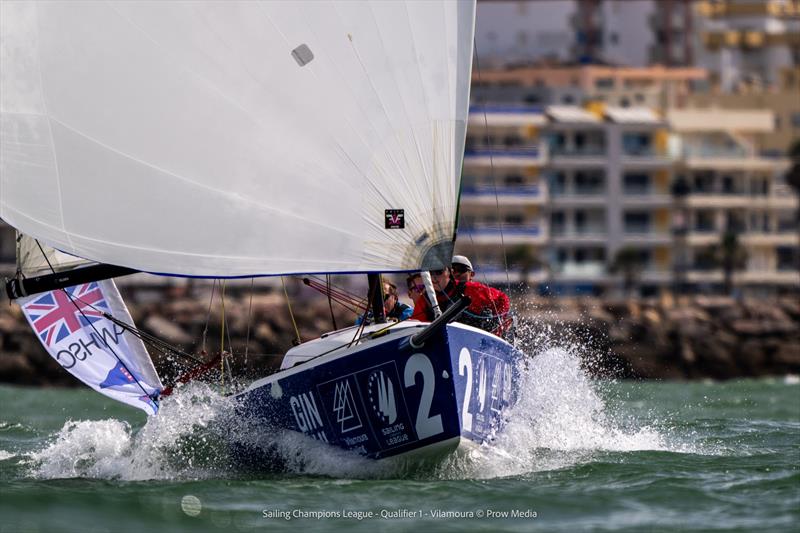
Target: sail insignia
[{"x": 303, "y": 55}]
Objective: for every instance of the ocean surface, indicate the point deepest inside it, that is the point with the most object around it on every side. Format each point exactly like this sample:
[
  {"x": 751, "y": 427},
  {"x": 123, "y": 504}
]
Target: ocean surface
[{"x": 578, "y": 454}]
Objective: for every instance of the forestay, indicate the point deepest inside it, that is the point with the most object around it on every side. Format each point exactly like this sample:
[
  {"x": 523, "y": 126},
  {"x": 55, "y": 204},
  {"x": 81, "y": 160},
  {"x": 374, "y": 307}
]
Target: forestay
[{"x": 236, "y": 138}]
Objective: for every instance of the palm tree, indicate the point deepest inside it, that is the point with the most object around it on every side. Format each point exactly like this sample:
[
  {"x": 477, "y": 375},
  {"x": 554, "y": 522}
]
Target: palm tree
[
  {"x": 729, "y": 255},
  {"x": 629, "y": 262},
  {"x": 733, "y": 257}
]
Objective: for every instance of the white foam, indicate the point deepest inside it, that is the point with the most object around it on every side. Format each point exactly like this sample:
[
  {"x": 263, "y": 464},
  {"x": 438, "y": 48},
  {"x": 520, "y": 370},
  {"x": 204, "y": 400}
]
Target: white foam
[
  {"x": 172, "y": 444},
  {"x": 6, "y": 455}
]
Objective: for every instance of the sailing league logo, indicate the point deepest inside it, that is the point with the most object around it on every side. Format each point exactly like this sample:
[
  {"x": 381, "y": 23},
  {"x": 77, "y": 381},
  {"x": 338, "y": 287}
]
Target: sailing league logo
[
  {"x": 345, "y": 407},
  {"x": 382, "y": 398},
  {"x": 394, "y": 218}
]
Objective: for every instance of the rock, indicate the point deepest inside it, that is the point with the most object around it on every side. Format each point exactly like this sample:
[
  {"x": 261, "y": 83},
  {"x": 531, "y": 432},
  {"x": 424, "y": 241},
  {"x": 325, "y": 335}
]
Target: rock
[
  {"x": 169, "y": 331},
  {"x": 788, "y": 355}
]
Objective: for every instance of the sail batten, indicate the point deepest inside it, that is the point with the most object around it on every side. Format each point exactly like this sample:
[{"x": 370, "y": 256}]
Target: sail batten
[{"x": 187, "y": 139}]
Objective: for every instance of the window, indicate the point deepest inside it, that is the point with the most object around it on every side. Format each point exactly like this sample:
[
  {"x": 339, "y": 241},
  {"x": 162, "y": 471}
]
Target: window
[
  {"x": 728, "y": 185},
  {"x": 514, "y": 179},
  {"x": 704, "y": 221},
  {"x": 787, "y": 258},
  {"x": 604, "y": 83},
  {"x": 637, "y": 222},
  {"x": 703, "y": 182},
  {"x": 636, "y": 183},
  {"x": 514, "y": 219},
  {"x": 589, "y": 182},
  {"x": 636, "y": 144},
  {"x": 558, "y": 183}
]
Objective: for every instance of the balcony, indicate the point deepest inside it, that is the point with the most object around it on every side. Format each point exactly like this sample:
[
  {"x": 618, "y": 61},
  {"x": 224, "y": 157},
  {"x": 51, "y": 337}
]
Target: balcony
[
  {"x": 646, "y": 235},
  {"x": 499, "y": 150},
  {"x": 503, "y": 194},
  {"x": 590, "y": 233},
  {"x": 734, "y": 158},
  {"x": 594, "y": 270},
  {"x": 486, "y": 233},
  {"x": 503, "y": 155}
]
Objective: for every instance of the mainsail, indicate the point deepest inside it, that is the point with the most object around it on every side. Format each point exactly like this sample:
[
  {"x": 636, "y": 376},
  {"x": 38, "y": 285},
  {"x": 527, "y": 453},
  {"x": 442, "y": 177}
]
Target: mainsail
[{"x": 245, "y": 138}]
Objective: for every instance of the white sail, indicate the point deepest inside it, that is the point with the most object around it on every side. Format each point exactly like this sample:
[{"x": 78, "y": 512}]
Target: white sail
[
  {"x": 236, "y": 138},
  {"x": 36, "y": 259}
]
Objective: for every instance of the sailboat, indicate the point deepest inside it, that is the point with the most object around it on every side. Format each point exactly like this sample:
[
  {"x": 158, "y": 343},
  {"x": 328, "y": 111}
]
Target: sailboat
[{"x": 244, "y": 139}]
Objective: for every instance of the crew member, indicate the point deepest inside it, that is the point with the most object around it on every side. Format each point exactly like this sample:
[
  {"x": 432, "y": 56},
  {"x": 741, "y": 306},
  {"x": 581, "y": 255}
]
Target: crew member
[{"x": 488, "y": 308}]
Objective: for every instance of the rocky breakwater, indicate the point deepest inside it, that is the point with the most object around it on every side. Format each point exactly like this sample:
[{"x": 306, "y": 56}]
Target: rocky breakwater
[{"x": 697, "y": 337}]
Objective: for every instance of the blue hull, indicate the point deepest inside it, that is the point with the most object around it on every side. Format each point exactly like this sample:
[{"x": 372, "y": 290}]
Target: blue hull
[{"x": 382, "y": 400}]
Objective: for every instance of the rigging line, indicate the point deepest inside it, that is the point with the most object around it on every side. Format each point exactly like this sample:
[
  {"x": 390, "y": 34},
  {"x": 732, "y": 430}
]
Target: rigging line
[
  {"x": 342, "y": 298},
  {"x": 370, "y": 293},
  {"x": 222, "y": 340},
  {"x": 330, "y": 300},
  {"x": 340, "y": 292},
  {"x": 99, "y": 337},
  {"x": 208, "y": 316},
  {"x": 249, "y": 320},
  {"x": 291, "y": 313},
  {"x": 491, "y": 166}
]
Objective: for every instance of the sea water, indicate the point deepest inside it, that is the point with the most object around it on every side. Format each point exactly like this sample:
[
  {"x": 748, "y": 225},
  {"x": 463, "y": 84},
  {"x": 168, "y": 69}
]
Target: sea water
[{"x": 578, "y": 454}]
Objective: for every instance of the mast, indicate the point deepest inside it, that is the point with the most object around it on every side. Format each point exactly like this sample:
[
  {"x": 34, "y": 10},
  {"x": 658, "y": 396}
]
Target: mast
[{"x": 376, "y": 294}]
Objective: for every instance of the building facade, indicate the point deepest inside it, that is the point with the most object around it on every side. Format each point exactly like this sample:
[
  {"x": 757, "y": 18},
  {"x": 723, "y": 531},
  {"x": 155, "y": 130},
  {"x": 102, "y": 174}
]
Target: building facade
[{"x": 559, "y": 193}]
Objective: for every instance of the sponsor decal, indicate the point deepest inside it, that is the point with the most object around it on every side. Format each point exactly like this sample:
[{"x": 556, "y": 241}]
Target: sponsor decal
[{"x": 394, "y": 219}]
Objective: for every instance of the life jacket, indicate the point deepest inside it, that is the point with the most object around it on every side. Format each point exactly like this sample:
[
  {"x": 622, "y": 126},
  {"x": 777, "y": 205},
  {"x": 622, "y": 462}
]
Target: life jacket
[{"x": 488, "y": 308}]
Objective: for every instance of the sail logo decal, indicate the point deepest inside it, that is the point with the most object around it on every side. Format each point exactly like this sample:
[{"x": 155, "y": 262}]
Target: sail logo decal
[
  {"x": 55, "y": 315},
  {"x": 394, "y": 218},
  {"x": 344, "y": 407},
  {"x": 73, "y": 327},
  {"x": 382, "y": 398}
]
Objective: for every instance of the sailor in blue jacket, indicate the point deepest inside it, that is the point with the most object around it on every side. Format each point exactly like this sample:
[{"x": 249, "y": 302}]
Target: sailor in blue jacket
[{"x": 394, "y": 309}]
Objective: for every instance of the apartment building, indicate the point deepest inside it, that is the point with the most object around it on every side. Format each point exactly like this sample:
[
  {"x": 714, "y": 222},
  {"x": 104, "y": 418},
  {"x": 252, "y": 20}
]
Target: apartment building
[
  {"x": 656, "y": 87},
  {"x": 503, "y": 194},
  {"x": 609, "y": 178},
  {"x": 561, "y": 190},
  {"x": 576, "y": 186},
  {"x": 783, "y": 100},
  {"x": 748, "y": 40},
  {"x": 734, "y": 189}
]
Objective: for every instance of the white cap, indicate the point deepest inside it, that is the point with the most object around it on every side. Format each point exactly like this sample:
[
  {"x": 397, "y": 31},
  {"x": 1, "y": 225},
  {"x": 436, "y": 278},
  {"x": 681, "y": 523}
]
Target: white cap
[{"x": 462, "y": 260}]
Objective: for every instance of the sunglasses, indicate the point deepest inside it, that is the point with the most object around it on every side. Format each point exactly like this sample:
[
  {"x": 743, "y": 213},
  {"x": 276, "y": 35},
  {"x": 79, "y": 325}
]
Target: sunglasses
[
  {"x": 436, "y": 272},
  {"x": 461, "y": 269},
  {"x": 418, "y": 288}
]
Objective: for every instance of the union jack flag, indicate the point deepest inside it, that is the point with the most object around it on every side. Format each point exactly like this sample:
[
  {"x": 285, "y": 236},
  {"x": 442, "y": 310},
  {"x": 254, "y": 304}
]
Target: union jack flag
[{"x": 55, "y": 315}]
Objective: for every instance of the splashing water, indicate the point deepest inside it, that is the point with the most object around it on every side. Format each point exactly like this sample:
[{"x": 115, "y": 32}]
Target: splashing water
[{"x": 179, "y": 442}]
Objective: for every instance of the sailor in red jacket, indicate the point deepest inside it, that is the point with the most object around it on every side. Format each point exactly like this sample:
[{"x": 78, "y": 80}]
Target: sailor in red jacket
[{"x": 487, "y": 310}]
